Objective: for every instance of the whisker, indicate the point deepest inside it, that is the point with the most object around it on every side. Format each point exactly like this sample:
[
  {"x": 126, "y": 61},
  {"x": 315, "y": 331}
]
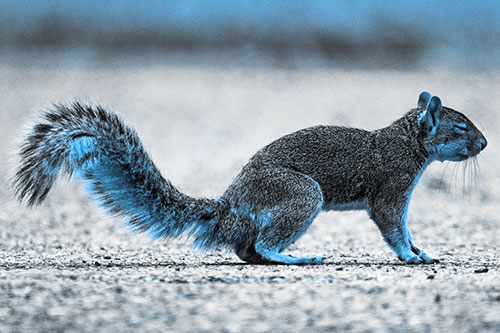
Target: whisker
[
  {"x": 454, "y": 175},
  {"x": 483, "y": 128},
  {"x": 442, "y": 176},
  {"x": 477, "y": 171},
  {"x": 470, "y": 177},
  {"x": 475, "y": 175},
  {"x": 472, "y": 169},
  {"x": 464, "y": 176}
]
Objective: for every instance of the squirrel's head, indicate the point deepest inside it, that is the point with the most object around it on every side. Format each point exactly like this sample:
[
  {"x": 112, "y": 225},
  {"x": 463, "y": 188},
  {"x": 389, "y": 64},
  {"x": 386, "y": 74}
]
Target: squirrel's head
[{"x": 448, "y": 135}]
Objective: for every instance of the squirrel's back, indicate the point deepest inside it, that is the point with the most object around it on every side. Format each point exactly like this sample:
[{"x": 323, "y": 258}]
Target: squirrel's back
[
  {"x": 347, "y": 163},
  {"x": 333, "y": 156}
]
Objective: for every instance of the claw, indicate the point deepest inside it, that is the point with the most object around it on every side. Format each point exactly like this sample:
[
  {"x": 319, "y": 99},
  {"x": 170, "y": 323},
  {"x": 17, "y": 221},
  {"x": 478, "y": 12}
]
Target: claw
[
  {"x": 414, "y": 260},
  {"x": 422, "y": 259},
  {"x": 317, "y": 260},
  {"x": 426, "y": 259}
]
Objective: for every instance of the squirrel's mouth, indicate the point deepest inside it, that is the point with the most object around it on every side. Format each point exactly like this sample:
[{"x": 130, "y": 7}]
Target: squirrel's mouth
[
  {"x": 464, "y": 154},
  {"x": 475, "y": 149},
  {"x": 472, "y": 152}
]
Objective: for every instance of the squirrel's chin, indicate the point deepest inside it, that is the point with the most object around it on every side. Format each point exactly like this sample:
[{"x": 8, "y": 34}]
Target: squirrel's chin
[
  {"x": 457, "y": 158},
  {"x": 462, "y": 157}
]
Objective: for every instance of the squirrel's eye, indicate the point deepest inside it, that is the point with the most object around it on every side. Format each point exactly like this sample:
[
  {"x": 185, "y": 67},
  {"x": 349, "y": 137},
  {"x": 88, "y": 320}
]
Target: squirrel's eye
[{"x": 461, "y": 128}]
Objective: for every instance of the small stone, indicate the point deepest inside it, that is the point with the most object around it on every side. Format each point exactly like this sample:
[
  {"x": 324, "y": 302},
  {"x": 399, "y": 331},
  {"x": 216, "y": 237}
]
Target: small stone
[
  {"x": 430, "y": 277},
  {"x": 481, "y": 270},
  {"x": 107, "y": 257},
  {"x": 97, "y": 263},
  {"x": 56, "y": 311}
]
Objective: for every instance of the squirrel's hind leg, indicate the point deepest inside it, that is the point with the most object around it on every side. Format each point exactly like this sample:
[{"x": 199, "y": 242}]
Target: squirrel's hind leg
[
  {"x": 289, "y": 219},
  {"x": 274, "y": 207}
]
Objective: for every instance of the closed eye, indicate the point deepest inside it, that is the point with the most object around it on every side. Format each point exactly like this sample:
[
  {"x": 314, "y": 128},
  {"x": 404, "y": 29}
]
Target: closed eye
[{"x": 460, "y": 128}]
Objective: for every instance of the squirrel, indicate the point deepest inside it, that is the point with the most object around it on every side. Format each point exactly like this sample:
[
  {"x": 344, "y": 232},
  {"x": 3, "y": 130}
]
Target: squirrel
[{"x": 276, "y": 195}]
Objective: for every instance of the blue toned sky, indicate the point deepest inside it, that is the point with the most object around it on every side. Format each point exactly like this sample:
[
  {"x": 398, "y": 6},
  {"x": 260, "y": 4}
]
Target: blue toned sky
[
  {"x": 459, "y": 29},
  {"x": 448, "y": 16}
]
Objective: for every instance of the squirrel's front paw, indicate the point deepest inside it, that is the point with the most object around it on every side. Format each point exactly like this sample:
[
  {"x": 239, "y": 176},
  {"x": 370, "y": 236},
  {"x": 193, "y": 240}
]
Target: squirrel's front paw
[
  {"x": 413, "y": 260},
  {"x": 426, "y": 259},
  {"x": 422, "y": 258}
]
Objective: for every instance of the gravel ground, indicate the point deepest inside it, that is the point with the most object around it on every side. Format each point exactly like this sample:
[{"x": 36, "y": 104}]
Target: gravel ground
[{"x": 66, "y": 266}]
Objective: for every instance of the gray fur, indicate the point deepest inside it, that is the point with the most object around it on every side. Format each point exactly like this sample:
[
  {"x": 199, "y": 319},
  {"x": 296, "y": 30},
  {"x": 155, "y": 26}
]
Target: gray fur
[
  {"x": 353, "y": 169},
  {"x": 286, "y": 184}
]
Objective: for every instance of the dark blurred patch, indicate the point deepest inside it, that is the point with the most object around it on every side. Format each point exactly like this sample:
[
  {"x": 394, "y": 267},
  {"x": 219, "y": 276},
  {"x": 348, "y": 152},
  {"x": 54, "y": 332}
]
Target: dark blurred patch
[
  {"x": 386, "y": 44},
  {"x": 47, "y": 32},
  {"x": 436, "y": 183}
]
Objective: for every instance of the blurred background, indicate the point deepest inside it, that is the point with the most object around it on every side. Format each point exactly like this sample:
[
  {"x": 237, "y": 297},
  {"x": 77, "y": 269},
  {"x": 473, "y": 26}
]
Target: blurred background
[{"x": 365, "y": 33}]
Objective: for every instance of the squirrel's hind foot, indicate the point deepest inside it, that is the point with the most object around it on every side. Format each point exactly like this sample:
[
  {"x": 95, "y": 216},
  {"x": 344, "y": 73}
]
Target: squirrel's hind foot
[
  {"x": 285, "y": 259},
  {"x": 268, "y": 257}
]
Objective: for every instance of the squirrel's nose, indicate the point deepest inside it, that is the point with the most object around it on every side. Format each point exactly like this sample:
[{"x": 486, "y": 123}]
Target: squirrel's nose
[{"x": 483, "y": 143}]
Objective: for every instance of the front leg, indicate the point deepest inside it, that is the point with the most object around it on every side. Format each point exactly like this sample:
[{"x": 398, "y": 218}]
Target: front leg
[
  {"x": 398, "y": 241},
  {"x": 390, "y": 218}
]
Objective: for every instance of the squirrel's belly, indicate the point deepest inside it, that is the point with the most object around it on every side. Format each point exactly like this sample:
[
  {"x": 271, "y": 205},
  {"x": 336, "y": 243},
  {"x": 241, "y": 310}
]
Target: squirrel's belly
[{"x": 353, "y": 205}]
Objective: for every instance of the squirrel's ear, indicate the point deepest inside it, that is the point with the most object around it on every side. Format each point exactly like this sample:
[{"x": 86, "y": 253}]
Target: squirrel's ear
[
  {"x": 423, "y": 99},
  {"x": 429, "y": 119}
]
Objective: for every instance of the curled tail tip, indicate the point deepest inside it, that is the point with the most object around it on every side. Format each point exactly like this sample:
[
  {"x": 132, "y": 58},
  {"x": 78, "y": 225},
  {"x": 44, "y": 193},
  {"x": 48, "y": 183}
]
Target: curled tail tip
[
  {"x": 63, "y": 140},
  {"x": 27, "y": 194},
  {"x": 30, "y": 184},
  {"x": 42, "y": 154}
]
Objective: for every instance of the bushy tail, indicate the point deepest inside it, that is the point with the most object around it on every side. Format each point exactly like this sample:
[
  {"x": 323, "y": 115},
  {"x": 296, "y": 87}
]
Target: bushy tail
[{"x": 95, "y": 145}]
